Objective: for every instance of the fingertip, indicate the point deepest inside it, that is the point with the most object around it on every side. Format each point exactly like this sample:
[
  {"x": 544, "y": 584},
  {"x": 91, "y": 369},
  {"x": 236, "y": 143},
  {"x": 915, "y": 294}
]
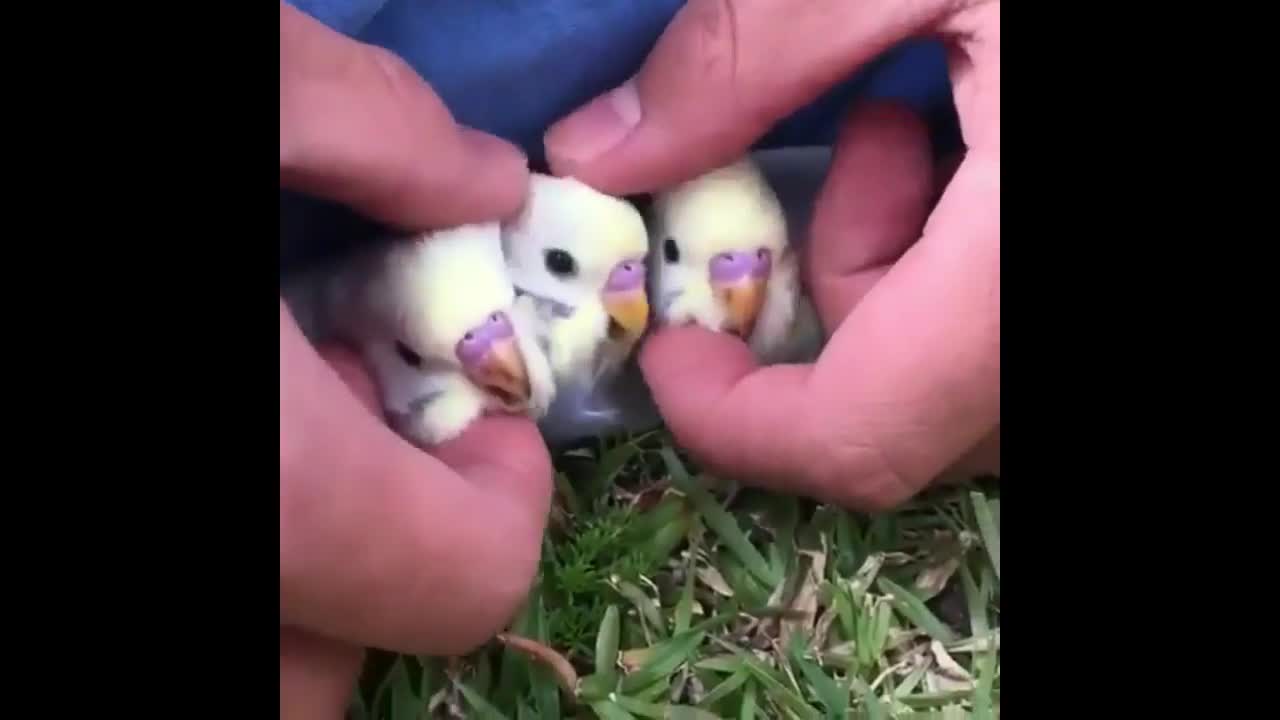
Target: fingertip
[
  {"x": 690, "y": 371},
  {"x": 574, "y": 142},
  {"x": 500, "y": 181},
  {"x": 888, "y": 116},
  {"x": 681, "y": 360},
  {"x": 504, "y": 454}
]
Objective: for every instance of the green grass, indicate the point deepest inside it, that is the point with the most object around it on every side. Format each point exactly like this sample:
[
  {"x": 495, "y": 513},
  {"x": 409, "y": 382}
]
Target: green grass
[{"x": 664, "y": 593}]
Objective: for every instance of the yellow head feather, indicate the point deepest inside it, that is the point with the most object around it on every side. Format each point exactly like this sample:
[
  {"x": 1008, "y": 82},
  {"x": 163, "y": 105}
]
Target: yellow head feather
[
  {"x": 597, "y": 230},
  {"x": 442, "y": 284}
]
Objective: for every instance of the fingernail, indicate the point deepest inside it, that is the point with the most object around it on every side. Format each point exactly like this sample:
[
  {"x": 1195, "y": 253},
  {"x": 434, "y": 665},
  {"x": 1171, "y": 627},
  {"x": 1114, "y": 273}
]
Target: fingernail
[
  {"x": 488, "y": 148},
  {"x": 595, "y": 128}
]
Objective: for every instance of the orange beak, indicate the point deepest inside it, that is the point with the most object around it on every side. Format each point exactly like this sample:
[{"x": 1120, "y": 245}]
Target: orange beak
[
  {"x": 739, "y": 280},
  {"x": 492, "y": 360}
]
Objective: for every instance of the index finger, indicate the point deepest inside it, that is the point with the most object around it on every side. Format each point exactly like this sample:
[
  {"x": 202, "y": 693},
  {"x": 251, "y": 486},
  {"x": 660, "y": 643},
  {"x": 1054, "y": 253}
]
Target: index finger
[
  {"x": 384, "y": 545},
  {"x": 359, "y": 126}
]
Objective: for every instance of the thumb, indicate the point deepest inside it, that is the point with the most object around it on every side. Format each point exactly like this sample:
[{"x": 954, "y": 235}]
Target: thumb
[{"x": 721, "y": 75}]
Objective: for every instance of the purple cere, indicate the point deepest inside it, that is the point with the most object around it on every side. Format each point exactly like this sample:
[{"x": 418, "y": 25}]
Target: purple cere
[
  {"x": 730, "y": 267},
  {"x": 473, "y": 346},
  {"x": 627, "y": 275}
]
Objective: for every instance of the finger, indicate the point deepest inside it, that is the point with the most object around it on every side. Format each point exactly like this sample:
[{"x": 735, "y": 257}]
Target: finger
[
  {"x": 701, "y": 380},
  {"x": 723, "y": 73},
  {"x": 472, "y": 455},
  {"x": 317, "y": 676},
  {"x": 358, "y": 126},
  {"x": 907, "y": 384},
  {"x": 384, "y": 545},
  {"x": 872, "y": 207}
]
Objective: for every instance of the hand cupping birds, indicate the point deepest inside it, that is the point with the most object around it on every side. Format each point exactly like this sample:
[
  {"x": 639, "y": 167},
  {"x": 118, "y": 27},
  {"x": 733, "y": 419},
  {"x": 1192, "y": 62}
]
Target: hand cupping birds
[
  {"x": 382, "y": 544},
  {"x": 903, "y": 267}
]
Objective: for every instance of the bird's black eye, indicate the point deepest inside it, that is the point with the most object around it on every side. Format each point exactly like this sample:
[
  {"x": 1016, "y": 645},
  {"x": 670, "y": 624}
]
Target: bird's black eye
[
  {"x": 669, "y": 250},
  {"x": 410, "y": 358},
  {"x": 561, "y": 263}
]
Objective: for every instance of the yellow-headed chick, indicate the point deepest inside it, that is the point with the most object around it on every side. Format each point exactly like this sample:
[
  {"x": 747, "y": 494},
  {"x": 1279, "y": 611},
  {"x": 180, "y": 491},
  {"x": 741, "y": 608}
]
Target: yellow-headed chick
[
  {"x": 577, "y": 258},
  {"x": 721, "y": 259},
  {"x": 435, "y": 319}
]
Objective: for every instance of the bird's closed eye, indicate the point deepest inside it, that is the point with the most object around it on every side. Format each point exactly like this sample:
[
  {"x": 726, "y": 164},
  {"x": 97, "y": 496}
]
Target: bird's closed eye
[
  {"x": 670, "y": 252},
  {"x": 410, "y": 358},
  {"x": 560, "y": 263}
]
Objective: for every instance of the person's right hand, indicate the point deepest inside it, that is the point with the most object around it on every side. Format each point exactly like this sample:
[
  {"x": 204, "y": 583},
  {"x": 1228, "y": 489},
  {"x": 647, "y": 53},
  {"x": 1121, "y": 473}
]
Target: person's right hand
[
  {"x": 382, "y": 544},
  {"x": 909, "y": 383}
]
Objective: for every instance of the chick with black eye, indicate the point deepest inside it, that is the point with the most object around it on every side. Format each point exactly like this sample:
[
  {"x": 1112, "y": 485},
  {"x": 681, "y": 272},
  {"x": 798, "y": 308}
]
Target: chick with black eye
[
  {"x": 560, "y": 263},
  {"x": 670, "y": 252}
]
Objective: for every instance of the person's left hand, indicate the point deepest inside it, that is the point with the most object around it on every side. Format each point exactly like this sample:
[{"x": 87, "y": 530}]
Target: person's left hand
[
  {"x": 382, "y": 544},
  {"x": 907, "y": 284}
]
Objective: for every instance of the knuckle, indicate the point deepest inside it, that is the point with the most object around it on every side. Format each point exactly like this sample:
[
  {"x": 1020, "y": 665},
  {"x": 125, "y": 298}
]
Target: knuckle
[
  {"x": 859, "y": 474},
  {"x": 394, "y": 77},
  {"x": 718, "y": 61}
]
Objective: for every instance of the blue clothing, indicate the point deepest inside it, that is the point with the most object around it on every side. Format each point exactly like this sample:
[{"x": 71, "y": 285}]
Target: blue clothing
[{"x": 513, "y": 67}]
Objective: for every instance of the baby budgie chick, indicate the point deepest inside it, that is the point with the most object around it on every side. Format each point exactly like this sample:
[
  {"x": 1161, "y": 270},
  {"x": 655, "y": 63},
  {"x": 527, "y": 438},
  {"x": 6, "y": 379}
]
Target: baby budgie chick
[
  {"x": 577, "y": 258},
  {"x": 435, "y": 319},
  {"x": 721, "y": 259}
]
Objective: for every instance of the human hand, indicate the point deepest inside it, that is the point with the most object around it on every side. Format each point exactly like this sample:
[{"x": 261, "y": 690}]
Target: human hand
[
  {"x": 381, "y": 544},
  {"x": 908, "y": 386}
]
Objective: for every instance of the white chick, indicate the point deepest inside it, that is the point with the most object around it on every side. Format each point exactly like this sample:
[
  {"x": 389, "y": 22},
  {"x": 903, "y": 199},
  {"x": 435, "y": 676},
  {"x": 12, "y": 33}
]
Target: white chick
[
  {"x": 721, "y": 259},
  {"x": 435, "y": 320},
  {"x": 577, "y": 259}
]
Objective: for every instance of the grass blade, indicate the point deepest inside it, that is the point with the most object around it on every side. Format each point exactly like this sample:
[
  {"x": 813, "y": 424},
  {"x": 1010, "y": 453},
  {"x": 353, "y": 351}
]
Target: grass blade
[
  {"x": 405, "y": 704},
  {"x": 611, "y": 463},
  {"x": 747, "y": 711},
  {"x": 546, "y": 694},
  {"x": 607, "y": 641},
  {"x": 684, "y": 609},
  {"x": 645, "y": 605},
  {"x": 828, "y": 692},
  {"x": 720, "y": 663},
  {"x": 726, "y": 687},
  {"x": 609, "y": 710},
  {"x": 598, "y": 686},
  {"x": 664, "y": 661},
  {"x": 783, "y": 695},
  {"x": 720, "y": 521},
  {"x": 640, "y": 708},
  {"x": 875, "y": 709},
  {"x": 987, "y": 529},
  {"x": 688, "y": 712},
  {"x": 482, "y": 709},
  {"x": 982, "y": 709},
  {"x": 976, "y": 601},
  {"x": 913, "y": 609},
  {"x": 566, "y": 491}
]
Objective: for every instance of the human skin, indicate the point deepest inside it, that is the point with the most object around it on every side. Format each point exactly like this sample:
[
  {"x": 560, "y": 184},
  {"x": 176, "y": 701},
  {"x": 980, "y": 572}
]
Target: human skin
[
  {"x": 382, "y": 544},
  {"x": 907, "y": 282},
  {"x": 908, "y": 387}
]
